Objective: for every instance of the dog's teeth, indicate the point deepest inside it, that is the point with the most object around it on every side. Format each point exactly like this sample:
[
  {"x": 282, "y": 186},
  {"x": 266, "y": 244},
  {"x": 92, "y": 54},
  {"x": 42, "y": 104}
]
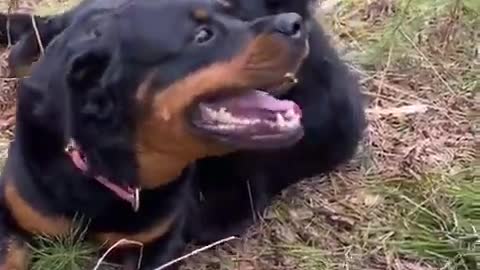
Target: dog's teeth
[
  {"x": 228, "y": 120},
  {"x": 290, "y": 114},
  {"x": 226, "y": 127},
  {"x": 224, "y": 116},
  {"x": 280, "y": 120},
  {"x": 282, "y": 123}
]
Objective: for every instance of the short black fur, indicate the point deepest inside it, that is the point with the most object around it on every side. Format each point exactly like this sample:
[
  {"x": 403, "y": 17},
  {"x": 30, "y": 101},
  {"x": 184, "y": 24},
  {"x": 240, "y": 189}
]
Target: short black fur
[
  {"x": 333, "y": 118},
  {"x": 85, "y": 88}
]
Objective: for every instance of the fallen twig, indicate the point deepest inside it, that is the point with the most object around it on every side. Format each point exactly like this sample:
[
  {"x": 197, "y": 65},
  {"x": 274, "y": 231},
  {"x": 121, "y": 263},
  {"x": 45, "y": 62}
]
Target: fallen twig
[
  {"x": 37, "y": 34},
  {"x": 118, "y": 243},
  {"x": 195, "y": 252},
  {"x": 399, "y": 111}
]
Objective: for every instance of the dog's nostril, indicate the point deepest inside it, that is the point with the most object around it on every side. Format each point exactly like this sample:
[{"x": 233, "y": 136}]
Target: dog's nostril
[{"x": 290, "y": 24}]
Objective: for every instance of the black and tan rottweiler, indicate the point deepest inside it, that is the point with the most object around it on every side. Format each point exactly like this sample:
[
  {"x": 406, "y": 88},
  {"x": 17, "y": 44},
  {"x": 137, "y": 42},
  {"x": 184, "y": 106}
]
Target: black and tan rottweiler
[
  {"x": 230, "y": 186},
  {"x": 123, "y": 102},
  {"x": 234, "y": 185}
]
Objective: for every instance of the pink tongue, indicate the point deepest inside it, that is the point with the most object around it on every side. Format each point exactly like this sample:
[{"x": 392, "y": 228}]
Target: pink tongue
[{"x": 255, "y": 100}]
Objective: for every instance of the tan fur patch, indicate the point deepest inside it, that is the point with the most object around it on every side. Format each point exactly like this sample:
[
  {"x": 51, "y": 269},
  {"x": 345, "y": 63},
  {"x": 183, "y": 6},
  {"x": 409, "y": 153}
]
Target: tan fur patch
[
  {"x": 31, "y": 220},
  {"x": 22, "y": 71},
  {"x": 17, "y": 256},
  {"x": 165, "y": 143},
  {"x": 147, "y": 236},
  {"x": 200, "y": 15}
]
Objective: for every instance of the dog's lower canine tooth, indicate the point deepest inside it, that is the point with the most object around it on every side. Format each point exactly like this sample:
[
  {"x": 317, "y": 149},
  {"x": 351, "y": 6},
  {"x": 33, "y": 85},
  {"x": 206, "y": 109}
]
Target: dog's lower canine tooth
[{"x": 290, "y": 113}]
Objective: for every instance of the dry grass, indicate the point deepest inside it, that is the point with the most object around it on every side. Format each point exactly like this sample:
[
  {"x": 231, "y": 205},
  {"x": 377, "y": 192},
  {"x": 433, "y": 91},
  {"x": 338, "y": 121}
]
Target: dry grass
[{"x": 411, "y": 198}]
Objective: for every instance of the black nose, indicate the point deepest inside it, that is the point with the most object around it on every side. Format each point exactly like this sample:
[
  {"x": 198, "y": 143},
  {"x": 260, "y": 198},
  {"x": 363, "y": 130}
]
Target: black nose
[{"x": 289, "y": 24}]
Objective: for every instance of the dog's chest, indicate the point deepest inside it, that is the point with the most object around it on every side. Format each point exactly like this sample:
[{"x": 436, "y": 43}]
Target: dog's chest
[{"x": 34, "y": 222}]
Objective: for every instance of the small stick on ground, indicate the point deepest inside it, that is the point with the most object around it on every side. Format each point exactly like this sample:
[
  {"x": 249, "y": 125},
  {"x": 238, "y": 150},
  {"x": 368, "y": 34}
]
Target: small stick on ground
[
  {"x": 119, "y": 243},
  {"x": 196, "y": 252},
  {"x": 252, "y": 205},
  {"x": 37, "y": 34},
  {"x": 11, "y": 5}
]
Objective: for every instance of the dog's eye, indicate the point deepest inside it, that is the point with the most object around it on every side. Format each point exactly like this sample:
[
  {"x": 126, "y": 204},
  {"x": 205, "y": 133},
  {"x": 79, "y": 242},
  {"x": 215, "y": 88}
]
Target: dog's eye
[{"x": 203, "y": 34}]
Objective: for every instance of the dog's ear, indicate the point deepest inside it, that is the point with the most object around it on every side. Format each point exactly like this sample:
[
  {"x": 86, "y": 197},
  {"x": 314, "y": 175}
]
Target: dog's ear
[
  {"x": 87, "y": 79},
  {"x": 87, "y": 69}
]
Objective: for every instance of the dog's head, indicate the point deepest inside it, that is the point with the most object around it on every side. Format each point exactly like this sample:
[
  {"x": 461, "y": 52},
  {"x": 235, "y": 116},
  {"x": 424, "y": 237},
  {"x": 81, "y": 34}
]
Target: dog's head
[
  {"x": 250, "y": 9},
  {"x": 159, "y": 84}
]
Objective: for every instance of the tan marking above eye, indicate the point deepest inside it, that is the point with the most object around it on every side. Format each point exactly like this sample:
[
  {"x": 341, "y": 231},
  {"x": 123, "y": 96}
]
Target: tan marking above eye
[{"x": 200, "y": 15}]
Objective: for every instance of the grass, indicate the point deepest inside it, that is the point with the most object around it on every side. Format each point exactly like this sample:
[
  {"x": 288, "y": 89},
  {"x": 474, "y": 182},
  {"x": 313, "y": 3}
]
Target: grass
[
  {"x": 309, "y": 258},
  {"x": 59, "y": 254},
  {"x": 438, "y": 219},
  {"x": 410, "y": 200},
  {"x": 71, "y": 251},
  {"x": 65, "y": 252}
]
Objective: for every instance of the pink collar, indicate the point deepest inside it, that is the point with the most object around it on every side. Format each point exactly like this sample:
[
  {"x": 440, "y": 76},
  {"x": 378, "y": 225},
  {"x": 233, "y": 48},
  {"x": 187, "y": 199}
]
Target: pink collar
[{"x": 131, "y": 195}]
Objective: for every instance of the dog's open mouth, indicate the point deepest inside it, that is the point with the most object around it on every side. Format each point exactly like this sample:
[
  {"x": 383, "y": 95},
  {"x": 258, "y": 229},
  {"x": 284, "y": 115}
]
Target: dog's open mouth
[{"x": 254, "y": 119}]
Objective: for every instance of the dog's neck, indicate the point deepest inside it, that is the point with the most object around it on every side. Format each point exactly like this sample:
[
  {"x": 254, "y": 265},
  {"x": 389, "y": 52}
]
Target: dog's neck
[
  {"x": 64, "y": 192},
  {"x": 158, "y": 169}
]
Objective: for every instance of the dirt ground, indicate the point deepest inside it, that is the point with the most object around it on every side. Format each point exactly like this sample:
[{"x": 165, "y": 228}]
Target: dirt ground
[{"x": 411, "y": 197}]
